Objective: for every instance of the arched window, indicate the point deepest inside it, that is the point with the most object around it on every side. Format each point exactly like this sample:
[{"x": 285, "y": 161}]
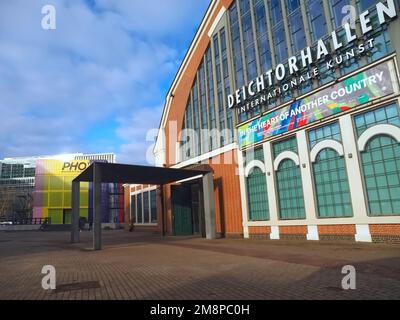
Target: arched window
[
  {"x": 380, "y": 160},
  {"x": 381, "y": 168},
  {"x": 257, "y": 195},
  {"x": 331, "y": 185},
  {"x": 290, "y": 191},
  {"x": 288, "y": 181}
]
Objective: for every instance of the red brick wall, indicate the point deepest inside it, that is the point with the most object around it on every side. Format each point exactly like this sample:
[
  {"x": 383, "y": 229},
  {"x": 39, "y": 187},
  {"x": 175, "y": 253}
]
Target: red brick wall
[
  {"x": 227, "y": 195},
  {"x": 127, "y": 207},
  {"x": 384, "y": 229},
  {"x": 345, "y": 229},
  {"x": 293, "y": 230},
  {"x": 260, "y": 230}
]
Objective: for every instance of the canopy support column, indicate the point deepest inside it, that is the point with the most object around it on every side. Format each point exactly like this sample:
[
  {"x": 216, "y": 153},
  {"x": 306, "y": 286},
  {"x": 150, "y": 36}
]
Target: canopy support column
[
  {"x": 209, "y": 205},
  {"x": 163, "y": 231},
  {"x": 96, "y": 207},
  {"x": 75, "y": 236}
]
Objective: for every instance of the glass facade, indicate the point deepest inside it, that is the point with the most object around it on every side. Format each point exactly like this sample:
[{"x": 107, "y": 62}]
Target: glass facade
[
  {"x": 296, "y": 26},
  {"x": 289, "y": 184},
  {"x": 381, "y": 162},
  {"x": 236, "y": 46},
  {"x": 153, "y": 204},
  {"x": 262, "y": 36},
  {"x": 336, "y": 7},
  {"x": 278, "y": 30},
  {"x": 257, "y": 194},
  {"x": 290, "y": 193},
  {"x": 204, "y": 106},
  {"x": 330, "y": 175},
  {"x": 144, "y": 207},
  {"x": 316, "y": 19},
  {"x": 381, "y": 167},
  {"x": 254, "y": 37},
  {"x": 331, "y": 131}
]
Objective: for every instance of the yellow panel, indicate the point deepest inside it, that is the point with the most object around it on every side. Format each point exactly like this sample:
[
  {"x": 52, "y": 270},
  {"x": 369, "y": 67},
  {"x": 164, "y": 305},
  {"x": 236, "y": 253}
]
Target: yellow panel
[
  {"x": 55, "y": 200},
  {"x": 84, "y": 185},
  {"x": 84, "y": 212},
  {"x": 68, "y": 183},
  {"x": 56, "y": 183},
  {"x": 45, "y": 199},
  {"x": 46, "y": 183},
  {"x": 67, "y": 200},
  {"x": 45, "y": 213},
  {"x": 70, "y": 168}
]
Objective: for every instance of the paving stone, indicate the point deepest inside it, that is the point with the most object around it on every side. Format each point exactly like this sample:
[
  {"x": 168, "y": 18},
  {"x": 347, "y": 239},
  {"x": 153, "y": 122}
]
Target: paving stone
[{"x": 145, "y": 266}]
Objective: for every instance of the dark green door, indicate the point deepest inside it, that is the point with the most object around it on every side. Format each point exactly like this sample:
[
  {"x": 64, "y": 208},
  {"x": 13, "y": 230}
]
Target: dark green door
[{"x": 182, "y": 210}]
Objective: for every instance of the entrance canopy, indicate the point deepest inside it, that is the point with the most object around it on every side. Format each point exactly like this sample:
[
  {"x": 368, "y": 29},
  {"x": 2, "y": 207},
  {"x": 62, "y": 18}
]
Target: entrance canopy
[
  {"x": 99, "y": 172},
  {"x": 134, "y": 174}
]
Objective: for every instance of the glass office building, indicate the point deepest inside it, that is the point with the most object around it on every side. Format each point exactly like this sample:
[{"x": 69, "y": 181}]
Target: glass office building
[
  {"x": 294, "y": 106},
  {"x": 17, "y": 184}
]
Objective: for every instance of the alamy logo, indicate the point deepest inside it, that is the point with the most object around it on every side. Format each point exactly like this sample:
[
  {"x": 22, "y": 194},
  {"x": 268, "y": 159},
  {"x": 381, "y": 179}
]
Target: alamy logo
[
  {"x": 49, "y": 280},
  {"x": 49, "y": 19},
  {"x": 349, "y": 281},
  {"x": 350, "y": 17}
]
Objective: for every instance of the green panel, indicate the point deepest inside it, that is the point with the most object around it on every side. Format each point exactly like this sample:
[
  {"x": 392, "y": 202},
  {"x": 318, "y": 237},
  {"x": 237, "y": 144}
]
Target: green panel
[
  {"x": 67, "y": 216},
  {"x": 257, "y": 154},
  {"x": 384, "y": 115},
  {"x": 285, "y": 145},
  {"x": 331, "y": 185},
  {"x": 56, "y": 216},
  {"x": 330, "y": 131},
  {"x": 290, "y": 191},
  {"x": 257, "y": 196},
  {"x": 381, "y": 167},
  {"x": 56, "y": 199},
  {"x": 182, "y": 210}
]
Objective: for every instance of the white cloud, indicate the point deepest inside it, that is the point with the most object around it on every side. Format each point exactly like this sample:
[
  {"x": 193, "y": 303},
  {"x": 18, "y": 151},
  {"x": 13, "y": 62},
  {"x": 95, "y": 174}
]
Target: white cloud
[
  {"x": 139, "y": 131},
  {"x": 106, "y": 62}
]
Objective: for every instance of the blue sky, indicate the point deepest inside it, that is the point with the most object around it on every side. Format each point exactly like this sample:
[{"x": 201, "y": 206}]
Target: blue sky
[{"x": 95, "y": 84}]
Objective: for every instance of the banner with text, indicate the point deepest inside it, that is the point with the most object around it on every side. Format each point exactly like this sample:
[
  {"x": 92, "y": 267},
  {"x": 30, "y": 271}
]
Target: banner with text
[{"x": 359, "y": 89}]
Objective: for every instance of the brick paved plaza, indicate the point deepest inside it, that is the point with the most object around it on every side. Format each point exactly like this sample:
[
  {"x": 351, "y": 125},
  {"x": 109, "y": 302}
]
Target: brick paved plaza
[{"x": 142, "y": 266}]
